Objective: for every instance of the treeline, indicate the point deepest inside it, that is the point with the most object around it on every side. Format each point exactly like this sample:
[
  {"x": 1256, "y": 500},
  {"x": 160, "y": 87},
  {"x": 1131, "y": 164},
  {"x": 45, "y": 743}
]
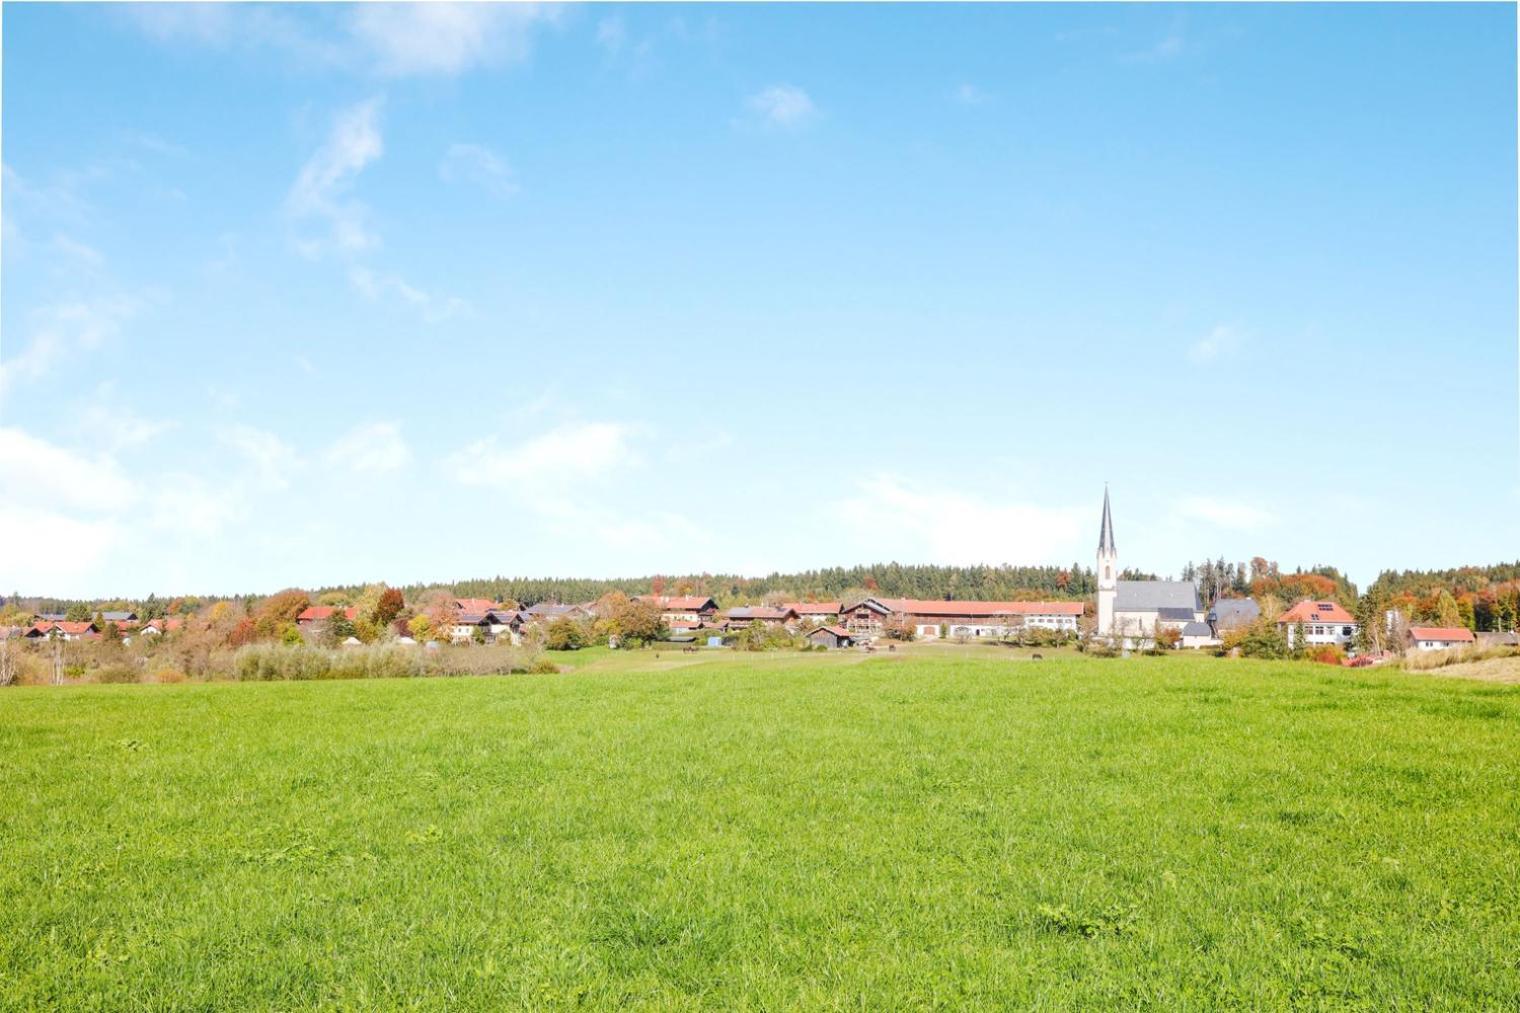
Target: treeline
[
  {"x": 1482, "y": 598},
  {"x": 1263, "y": 578},
  {"x": 891, "y": 580}
]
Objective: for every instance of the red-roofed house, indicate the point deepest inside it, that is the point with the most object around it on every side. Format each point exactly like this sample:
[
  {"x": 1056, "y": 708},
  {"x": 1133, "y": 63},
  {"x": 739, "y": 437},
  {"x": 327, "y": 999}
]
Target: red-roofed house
[
  {"x": 974, "y": 619},
  {"x": 474, "y": 605},
  {"x": 744, "y": 615},
  {"x": 64, "y": 630},
  {"x": 815, "y": 611},
  {"x": 1440, "y": 638},
  {"x": 1324, "y": 622},
  {"x": 322, "y": 613},
  {"x": 681, "y": 608}
]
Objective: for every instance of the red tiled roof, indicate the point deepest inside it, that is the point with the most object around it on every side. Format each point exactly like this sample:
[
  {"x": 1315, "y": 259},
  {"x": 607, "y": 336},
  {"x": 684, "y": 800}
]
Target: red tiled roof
[
  {"x": 758, "y": 612},
  {"x": 317, "y": 613},
  {"x": 73, "y": 629},
  {"x": 676, "y": 603},
  {"x": 1451, "y": 634},
  {"x": 475, "y": 604},
  {"x": 1315, "y": 612},
  {"x": 935, "y": 607},
  {"x": 814, "y": 608}
]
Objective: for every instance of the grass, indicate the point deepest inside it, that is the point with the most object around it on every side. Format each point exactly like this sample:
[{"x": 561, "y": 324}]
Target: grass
[{"x": 729, "y": 831}]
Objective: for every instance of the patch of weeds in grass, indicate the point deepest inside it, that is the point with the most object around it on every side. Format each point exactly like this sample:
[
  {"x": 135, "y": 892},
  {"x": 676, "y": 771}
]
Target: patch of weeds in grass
[{"x": 1114, "y": 920}]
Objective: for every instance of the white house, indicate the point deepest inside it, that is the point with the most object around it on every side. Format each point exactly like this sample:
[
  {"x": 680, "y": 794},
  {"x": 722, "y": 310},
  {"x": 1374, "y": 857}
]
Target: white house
[
  {"x": 1440, "y": 638},
  {"x": 1324, "y": 622}
]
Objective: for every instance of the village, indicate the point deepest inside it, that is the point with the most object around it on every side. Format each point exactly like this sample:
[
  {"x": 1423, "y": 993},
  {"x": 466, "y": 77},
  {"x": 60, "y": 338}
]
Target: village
[{"x": 1124, "y": 615}]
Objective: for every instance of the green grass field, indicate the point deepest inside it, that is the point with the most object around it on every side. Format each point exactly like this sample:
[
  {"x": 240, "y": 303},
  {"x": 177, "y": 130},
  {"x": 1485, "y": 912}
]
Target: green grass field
[{"x": 937, "y": 828}]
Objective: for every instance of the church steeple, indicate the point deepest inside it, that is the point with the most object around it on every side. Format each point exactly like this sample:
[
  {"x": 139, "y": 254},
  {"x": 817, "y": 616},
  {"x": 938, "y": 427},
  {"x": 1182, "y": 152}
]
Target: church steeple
[
  {"x": 1106, "y": 545},
  {"x": 1108, "y": 571}
]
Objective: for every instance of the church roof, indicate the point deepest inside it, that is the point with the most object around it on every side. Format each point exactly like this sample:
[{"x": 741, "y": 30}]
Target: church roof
[
  {"x": 1106, "y": 532},
  {"x": 1154, "y": 595}
]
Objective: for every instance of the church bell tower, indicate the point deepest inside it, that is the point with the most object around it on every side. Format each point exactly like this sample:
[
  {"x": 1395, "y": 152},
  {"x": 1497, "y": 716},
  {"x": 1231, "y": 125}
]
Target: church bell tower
[{"x": 1108, "y": 571}]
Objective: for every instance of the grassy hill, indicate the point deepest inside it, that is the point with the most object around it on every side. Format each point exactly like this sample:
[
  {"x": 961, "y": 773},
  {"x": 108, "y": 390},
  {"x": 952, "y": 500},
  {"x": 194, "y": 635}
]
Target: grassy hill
[{"x": 935, "y": 828}]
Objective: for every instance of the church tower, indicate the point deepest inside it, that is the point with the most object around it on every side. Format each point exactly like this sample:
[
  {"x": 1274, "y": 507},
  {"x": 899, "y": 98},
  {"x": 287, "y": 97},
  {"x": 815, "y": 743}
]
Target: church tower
[{"x": 1108, "y": 571}]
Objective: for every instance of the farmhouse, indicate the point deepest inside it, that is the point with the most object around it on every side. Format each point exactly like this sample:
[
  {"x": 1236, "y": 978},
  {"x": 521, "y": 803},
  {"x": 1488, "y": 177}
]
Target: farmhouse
[
  {"x": 865, "y": 620},
  {"x": 1324, "y": 622},
  {"x": 548, "y": 612},
  {"x": 931, "y": 618},
  {"x": 815, "y": 611},
  {"x": 1440, "y": 638},
  {"x": 743, "y": 615},
  {"x": 474, "y": 605},
  {"x": 682, "y": 608}
]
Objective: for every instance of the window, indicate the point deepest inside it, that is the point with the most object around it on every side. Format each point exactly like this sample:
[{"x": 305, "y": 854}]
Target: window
[{"x": 1345, "y": 631}]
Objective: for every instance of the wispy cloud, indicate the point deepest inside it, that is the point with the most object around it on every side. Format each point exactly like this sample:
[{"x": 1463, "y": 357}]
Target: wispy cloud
[
  {"x": 569, "y": 455},
  {"x": 912, "y": 520},
  {"x": 969, "y": 94},
  {"x": 388, "y": 40},
  {"x": 371, "y": 448},
  {"x": 62, "y": 330},
  {"x": 1233, "y": 515},
  {"x": 375, "y": 285},
  {"x": 783, "y": 105},
  {"x": 447, "y": 38},
  {"x": 1222, "y": 339},
  {"x": 321, "y": 188},
  {"x": 478, "y": 165},
  {"x": 272, "y": 460}
]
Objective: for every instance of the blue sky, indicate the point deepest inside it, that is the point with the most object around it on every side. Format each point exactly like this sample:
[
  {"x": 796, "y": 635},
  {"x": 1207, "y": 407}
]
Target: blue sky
[{"x": 298, "y": 295}]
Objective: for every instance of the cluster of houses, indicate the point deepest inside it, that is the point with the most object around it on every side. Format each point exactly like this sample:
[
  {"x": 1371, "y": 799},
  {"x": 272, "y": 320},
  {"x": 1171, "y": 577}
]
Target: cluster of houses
[
  {"x": 1129, "y": 614},
  {"x": 54, "y": 625}
]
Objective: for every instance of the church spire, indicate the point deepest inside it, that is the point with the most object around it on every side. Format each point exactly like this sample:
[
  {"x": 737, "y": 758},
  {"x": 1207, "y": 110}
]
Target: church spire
[{"x": 1106, "y": 533}]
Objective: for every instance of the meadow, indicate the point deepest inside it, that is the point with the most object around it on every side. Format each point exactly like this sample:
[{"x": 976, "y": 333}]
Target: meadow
[{"x": 930, "y": 829}]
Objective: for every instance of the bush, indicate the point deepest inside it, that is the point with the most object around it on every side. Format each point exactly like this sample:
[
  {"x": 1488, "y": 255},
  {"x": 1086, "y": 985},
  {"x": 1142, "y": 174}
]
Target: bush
[
  {"x": 1325, "y": 654},
  {"x": 115, "y": 674},
  {"x": 566, "y": 635}
]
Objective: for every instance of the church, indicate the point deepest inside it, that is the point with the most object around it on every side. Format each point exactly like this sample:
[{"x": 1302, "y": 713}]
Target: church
[{"x": 1131, "y": 612}]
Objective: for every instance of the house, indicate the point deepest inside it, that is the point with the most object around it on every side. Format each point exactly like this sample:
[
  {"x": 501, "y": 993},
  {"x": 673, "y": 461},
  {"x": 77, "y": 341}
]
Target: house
[
  {"x": 689, "y": 608},
  {"x": 1228, "y": 614},
  {"x": 929, "y": 618},
  {"x": 831, "y": 636},
  {"x": 156, "y": 627},
  {"x": 1499, "y": 639},
  {"x": 743, "y": 615},
  {"x": 63, "y": 630},
  {"x": 549, "y": 611},
  {"x": 1440, "y": 638},
  {"x": 474, "y": 605},
  {"x": 1132, "y": 612},
  {"x": 865, "y": 620},
  {"x": 1324, "y": 622},
  {"x": 121, "y": 618},
  {"x": 316, "y": 615},
  {"x": 815, "y": 611}
]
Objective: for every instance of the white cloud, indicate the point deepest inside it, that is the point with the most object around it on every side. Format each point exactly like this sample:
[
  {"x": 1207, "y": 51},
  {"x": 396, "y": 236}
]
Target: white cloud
[
  {"x": 1223, "y": 513},
  {"x": 273, "y": 461},
  {"x": 472, "y": 163},
  {"x": 783, "y": 105},
  {"x": 1218, "y": 341},
  {"x": 44, "y": 475},
  {"x": 611, "y": 34},
  {"x": 373, "y": 448},
  {"x": 63, "y": 330},
  {"x": 446, "y": 38},
  {"x": 375, "y": 286},
  {"x": 900, "y": 519},
  {"x": 106, "y": 423},
  {"x": 969, "y": 94},
  {"x": 571, "y": 454},
  {"x": 320, "y": 188}
]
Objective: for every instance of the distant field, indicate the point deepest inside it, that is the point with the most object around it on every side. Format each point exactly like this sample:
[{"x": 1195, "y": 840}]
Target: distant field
[{"x": 928, "y": 828}]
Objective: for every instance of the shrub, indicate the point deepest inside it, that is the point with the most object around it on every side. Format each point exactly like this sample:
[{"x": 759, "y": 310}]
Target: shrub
[
  {"x": 116, "y": 674},
  {"x": 1325, "y": 654}
]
